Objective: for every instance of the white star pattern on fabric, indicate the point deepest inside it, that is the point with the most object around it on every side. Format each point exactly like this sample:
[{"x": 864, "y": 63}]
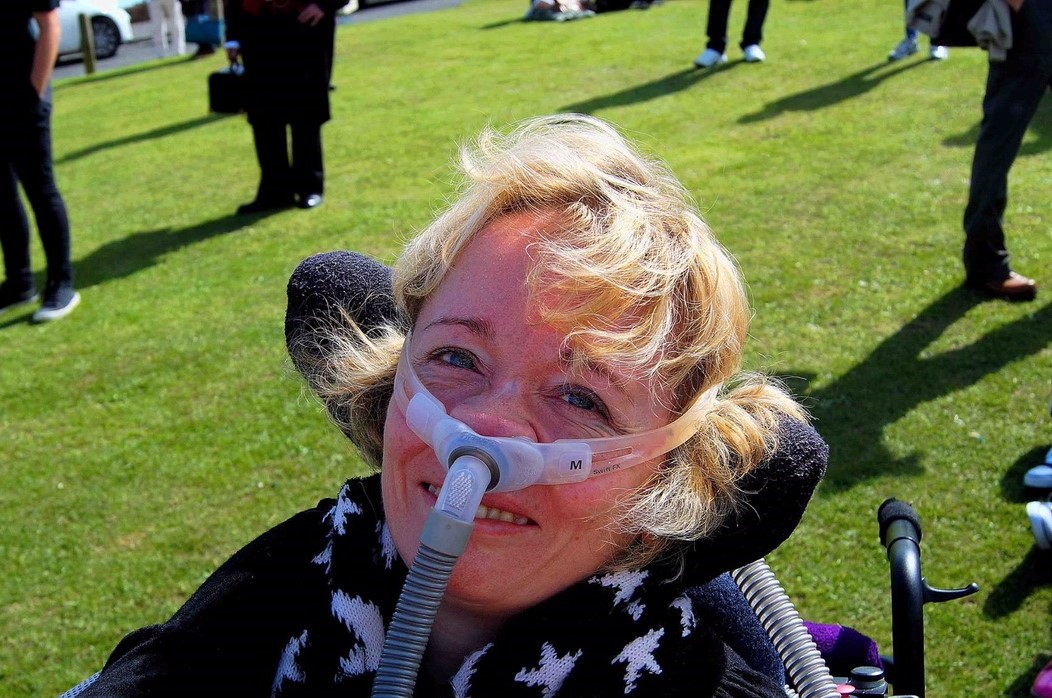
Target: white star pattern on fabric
[
  {"x": 344, "y": 507},
  {"x": 387, "y": 546},
  {"x": 686, "y": 609},
  {"x": 365, "y": 620},
  {"x": 639, "y": 655},
  {"x": 551, "y": 672},
  {"x": 626, "y": 583},
  {"x": 288, "y": 669},
  {"x": 461, "y": 681},
  {"x": 324, "y": 557},
  {"x": 635, "y": 609}
]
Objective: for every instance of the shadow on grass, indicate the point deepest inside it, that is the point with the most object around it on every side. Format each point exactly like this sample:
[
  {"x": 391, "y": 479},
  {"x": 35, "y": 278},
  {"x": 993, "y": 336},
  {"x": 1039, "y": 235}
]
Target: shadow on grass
[
  {"x": 852, "y": 412},
  {"x": 669, "y": 84},
  {"x": 1034, "y": 571},
  {"x": 1020, "y": 688},
  {"x": 502, "y": 23},
  {"x": 122, "y": 258},
  {"x": 1040, "y": 125},
  {"x": 1012, "y": 487},
  {"x": 854, "y": 85},
  {"x": 159, "y": 132},
  {"x": 123, "y": 71}
]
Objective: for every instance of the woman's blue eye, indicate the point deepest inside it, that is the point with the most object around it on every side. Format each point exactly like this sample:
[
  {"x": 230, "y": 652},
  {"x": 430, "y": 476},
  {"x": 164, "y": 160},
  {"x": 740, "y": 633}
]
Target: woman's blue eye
[
  {"x": 459, "y": 359},
  {"x": 583, "y": 400}
]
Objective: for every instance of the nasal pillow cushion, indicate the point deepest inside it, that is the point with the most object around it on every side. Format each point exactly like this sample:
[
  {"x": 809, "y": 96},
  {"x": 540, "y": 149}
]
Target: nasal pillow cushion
[{"x": 325, "y": 286}]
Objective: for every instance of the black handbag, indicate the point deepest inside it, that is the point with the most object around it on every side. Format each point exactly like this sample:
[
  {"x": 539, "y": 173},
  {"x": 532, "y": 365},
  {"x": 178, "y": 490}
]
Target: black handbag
[{"x": 226, "y": 90}]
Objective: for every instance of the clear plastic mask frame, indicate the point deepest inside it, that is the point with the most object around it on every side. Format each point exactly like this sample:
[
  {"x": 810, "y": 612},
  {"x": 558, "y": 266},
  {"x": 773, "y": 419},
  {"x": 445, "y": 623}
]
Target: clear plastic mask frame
[{"x": 516, "y": 463}]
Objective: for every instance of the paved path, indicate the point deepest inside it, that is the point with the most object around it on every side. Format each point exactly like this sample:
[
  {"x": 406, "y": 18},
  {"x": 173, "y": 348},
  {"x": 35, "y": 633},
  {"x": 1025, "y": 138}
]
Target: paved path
[{"x": 141, "y": 50}]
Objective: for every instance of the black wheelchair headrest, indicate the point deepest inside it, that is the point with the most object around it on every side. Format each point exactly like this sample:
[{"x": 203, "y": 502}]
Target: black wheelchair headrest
[{"x": 326, "y": 286}]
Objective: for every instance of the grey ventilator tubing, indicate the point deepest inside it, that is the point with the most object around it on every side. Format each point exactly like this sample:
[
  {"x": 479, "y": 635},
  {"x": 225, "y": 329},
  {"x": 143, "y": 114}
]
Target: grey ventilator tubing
[
  {"x": 808, "y": 674},
  {"x": 442, "y": 542}
]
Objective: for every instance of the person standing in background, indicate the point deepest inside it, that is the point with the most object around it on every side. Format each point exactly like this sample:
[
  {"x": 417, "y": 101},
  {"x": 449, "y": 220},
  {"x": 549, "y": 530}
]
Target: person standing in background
[
  {"x": 716, "y": 50},
  {"x": 195, "y": 8},
  {"x": 910, "y": 45},
  {"x": 287, "y": 49},
  {"x": 28, "y": 57},
  {"x": 167, "y": 16},
  {"x": 1014, "y": 88}
]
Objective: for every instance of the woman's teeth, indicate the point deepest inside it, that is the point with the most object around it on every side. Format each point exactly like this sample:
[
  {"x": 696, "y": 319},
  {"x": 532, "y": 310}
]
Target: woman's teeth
[{"x": 485, "y": 512}]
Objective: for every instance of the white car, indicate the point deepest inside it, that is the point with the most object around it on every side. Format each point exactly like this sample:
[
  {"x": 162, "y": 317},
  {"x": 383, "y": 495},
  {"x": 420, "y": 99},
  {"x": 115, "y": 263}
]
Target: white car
[{"x": 110, "y": 24}]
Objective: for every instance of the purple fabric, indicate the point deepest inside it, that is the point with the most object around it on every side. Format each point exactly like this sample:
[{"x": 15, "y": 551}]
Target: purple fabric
[{"x": 844, "y": 648}]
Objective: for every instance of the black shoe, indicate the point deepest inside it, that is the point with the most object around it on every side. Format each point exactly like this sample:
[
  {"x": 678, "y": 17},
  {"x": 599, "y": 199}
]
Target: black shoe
[
  {"x": 311, "y": 201},
  {"x": 262, "y": 205},
  {"x": 11, "y": 298},
  {"x": 59, "y": 301}
]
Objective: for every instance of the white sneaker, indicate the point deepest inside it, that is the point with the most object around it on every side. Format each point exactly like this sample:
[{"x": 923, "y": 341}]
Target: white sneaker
[
  {"x": 905, "y": 49},
  {"x": 1040, "y": 514},
  {"x": 754, "y": 54},
  {"x": 710, "y": 58},
  {"x": 939, "y": 53},
  {"x": 1040, "y": 477}
]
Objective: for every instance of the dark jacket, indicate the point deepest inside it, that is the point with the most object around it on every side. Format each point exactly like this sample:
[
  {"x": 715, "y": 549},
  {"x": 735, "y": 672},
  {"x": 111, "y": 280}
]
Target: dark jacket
[
  {"x": 288, "y": 64},
  {"x": 285, "y": 616}
]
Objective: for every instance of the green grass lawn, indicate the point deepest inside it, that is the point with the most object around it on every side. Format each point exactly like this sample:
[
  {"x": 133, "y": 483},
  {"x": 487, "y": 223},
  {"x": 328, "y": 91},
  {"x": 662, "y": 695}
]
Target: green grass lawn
[{"x": 160, "y": 427}]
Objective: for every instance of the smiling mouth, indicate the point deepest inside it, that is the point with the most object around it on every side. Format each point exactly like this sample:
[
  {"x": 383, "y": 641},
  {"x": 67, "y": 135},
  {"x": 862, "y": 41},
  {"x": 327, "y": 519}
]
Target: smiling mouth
[{"x": 485, "y": 512}]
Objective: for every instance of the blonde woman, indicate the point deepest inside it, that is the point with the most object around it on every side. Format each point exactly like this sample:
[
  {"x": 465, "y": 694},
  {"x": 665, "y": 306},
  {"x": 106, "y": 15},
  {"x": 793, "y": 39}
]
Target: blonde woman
[{"x": 571, "y": 294}]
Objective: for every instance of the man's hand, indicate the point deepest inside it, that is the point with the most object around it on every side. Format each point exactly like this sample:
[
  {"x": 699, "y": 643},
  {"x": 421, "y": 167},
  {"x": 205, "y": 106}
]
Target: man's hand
[{"x": 312, "y": 14}]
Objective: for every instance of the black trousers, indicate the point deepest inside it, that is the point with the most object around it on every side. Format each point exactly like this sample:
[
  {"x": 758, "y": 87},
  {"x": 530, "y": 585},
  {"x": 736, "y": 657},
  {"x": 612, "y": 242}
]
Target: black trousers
[
  {"x": 282, "y": 177},
  {"x": 25, "y": 156},
  {"x": 1014, "y": 89},
  {"x": 720, "y": 10}
]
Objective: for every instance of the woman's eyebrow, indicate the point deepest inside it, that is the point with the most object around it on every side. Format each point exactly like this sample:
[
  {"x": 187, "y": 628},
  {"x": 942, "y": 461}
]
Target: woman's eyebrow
[{"x": 477, "y": 326}]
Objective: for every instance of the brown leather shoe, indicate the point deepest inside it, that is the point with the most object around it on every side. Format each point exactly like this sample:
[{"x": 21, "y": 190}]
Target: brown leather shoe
[{"x": 1015, "y": 288}]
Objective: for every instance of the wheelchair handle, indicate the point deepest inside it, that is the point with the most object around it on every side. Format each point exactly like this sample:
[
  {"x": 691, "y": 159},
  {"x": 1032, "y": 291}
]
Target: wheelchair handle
[{"x": 900, "y": 533}]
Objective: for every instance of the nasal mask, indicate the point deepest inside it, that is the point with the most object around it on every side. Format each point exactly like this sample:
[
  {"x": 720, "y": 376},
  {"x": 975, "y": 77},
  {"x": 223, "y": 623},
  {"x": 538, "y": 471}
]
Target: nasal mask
[
  {"x": 478, "y": 464},
  {"x": 516, "y": 463}
]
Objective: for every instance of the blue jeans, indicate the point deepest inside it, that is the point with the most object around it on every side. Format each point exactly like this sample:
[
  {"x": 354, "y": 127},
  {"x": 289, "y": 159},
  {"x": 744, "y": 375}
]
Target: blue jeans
[{"x": 911, "y": 34}]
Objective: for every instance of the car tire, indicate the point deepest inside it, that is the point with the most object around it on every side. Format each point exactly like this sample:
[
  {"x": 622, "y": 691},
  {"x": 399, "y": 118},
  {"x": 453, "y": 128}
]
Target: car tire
[{"x": 107, "y": 37}]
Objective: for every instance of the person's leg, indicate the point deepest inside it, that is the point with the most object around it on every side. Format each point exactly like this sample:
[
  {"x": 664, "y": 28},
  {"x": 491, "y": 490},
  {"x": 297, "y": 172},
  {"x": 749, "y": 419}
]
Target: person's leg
[
  {"x": 159, "y": 26},
  {"x": 907, "y": 47},
  {"x": 275, "y": 175},
  {"x": 307, "y": 166},
  {"x": 177, "y": 25},
  {"x": 34, "y": 168},
  {"x": 753, "y": 33},
  {"x": 911, "y": 34},
  {"x": 14, "y": 231},
  {"x": 1013, "y": 92},
  {"x": 716, "y": 27}
]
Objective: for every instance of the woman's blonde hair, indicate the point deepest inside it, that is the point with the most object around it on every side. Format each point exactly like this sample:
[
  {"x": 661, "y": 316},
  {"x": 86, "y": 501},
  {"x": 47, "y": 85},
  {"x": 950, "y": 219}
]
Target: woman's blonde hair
[{"x": 628, "y": 243}]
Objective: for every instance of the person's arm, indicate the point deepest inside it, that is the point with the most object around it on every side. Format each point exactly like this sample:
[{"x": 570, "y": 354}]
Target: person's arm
[{"x": 46, "y": 50}]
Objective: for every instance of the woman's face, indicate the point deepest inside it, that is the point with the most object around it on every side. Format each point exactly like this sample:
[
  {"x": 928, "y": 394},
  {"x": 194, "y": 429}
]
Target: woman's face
[{"x": 480, "y": 349}]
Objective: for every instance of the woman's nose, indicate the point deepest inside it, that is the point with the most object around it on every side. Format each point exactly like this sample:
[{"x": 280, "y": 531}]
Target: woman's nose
[{"x": 499, "y": 412}]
